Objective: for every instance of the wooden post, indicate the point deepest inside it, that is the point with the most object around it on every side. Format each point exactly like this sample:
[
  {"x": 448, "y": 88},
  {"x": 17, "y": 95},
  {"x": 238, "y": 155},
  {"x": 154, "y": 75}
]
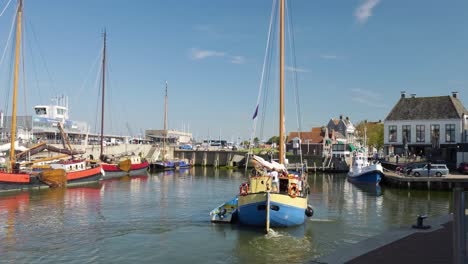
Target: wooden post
[
  {"x": 267, "y": 223},
  {"x": 459, "y": 242}
]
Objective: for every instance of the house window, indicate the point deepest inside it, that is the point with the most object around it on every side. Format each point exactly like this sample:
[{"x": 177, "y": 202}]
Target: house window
[
  {"x": 435, "y": 135},
  {"x": 406, "y": 129},
  {"x": 420, "y": 135},
  {"x": 392, "y": 133},
  {"x": 450, "y": 133}
]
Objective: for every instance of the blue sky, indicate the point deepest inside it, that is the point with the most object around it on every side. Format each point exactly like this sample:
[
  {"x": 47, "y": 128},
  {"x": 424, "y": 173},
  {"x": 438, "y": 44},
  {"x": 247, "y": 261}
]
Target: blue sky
[{"x": 353, "y": 58}]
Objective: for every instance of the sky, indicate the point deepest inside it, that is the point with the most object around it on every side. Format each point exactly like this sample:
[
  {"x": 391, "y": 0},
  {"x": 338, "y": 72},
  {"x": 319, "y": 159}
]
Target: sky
[{"x": 353, "y": 58}]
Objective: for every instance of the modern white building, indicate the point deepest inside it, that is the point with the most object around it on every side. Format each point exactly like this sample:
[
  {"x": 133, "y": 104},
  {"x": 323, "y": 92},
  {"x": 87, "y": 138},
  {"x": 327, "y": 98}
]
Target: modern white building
[
  {"x": 434, "y": 127},
  {"x": 171, "y": 136}
]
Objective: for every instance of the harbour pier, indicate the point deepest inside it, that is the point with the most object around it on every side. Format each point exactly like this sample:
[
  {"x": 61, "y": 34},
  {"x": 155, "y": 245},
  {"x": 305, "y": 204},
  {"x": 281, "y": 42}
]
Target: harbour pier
[{"x": 444, "y": 183}]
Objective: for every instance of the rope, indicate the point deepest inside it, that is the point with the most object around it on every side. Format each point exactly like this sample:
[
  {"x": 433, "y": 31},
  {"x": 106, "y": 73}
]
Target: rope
[
  {"x": 267, "y": 48},
  {"x": 6, "y": 6},
  {"x": 9, "y": 38},
  {"x": 294, "y": 64},
  {"x": 43, "y": 59}
]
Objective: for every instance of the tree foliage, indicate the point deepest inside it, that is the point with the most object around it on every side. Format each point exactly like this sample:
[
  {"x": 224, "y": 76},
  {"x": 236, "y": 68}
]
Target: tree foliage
[
  {"x": 375, "y": 133},
  {"x": 273, "y": 139}
]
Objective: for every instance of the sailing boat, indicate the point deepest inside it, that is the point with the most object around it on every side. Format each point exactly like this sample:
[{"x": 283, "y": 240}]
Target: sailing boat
[
  {"x": 276, "y": 198},
  {"x": 118, "y": 166},
  {"x": 14, "y": 178},
  {"x": 166, "y": 164}
]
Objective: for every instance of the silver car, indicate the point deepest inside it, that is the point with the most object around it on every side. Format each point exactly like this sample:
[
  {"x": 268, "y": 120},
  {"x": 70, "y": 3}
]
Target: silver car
[{"x": 436, "y": 170}]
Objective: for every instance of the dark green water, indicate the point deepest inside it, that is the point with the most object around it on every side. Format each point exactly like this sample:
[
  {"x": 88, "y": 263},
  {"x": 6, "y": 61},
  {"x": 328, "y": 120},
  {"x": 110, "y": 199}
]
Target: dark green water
[{"x": 164, "y": 218}]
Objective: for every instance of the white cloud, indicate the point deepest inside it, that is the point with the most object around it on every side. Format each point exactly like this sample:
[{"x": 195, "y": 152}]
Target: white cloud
[
  {"x": 364, "y": 11},
  {"x": 367, "y": 97},
  {"x": 290, "y": 68},
  {"x": 197, "y": 54},
  {"x": 237, "y": 59}
]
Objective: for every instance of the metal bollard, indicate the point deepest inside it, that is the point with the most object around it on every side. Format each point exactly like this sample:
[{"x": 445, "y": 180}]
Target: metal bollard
[{"x": 419, "y": 222}]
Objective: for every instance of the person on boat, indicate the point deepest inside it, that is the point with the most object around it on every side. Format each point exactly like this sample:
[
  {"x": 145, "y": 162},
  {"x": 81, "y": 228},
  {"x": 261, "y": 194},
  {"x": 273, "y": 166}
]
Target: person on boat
[{"x": 274, "y": 180}]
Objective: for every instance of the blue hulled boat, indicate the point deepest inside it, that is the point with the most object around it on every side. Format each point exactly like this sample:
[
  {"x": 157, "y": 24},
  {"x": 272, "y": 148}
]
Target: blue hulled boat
[
  {"x": 272, "y": 199},
  {"x": 363, "y": 172}
]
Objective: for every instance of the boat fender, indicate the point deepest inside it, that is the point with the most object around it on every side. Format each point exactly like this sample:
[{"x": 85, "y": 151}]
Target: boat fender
[
  {"x": 292, "y": 190},
  {"x": 244, "y": 189},
  {"x": 309, "y": 211}
]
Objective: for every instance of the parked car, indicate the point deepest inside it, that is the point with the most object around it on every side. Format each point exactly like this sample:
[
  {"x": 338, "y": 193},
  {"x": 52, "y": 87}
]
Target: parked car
[
  {"x": 186, "y": 147},
  {"x": 435, "y": 170},
  {"x": 463, "y": 168},
  {"x": 408, "y": 169}
]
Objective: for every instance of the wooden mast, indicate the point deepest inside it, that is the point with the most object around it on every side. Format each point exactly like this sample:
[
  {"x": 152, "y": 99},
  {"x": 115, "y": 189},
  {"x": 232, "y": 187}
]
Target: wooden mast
[
  {"x": 15, "y": 83},
  {"x": 103, "y": 93},
  {"x": 281, "y": 109},
  {"x": 165, "y": 125}
]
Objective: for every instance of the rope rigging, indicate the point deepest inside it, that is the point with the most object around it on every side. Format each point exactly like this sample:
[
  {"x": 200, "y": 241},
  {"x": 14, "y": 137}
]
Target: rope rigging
[{"x": 267, "y": 77}]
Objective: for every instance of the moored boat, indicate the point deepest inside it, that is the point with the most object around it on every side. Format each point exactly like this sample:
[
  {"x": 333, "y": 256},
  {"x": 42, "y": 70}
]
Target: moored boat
[
  {"x": 362, "y": 171},
  {"x": 12, "y": 178},
  {"x": 131, "y": 166}
]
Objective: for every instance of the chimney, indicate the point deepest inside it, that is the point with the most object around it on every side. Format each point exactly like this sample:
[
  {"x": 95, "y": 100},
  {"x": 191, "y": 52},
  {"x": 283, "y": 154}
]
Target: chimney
[
  {"x": 455, "y": 94},
  {"x": 341, "y": 117},
  {"x": 413, "y": 95},
  {"x": 403, "y": 94}
]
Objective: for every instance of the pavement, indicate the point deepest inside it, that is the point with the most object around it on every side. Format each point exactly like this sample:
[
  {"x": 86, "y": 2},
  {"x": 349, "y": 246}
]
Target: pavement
[{"x": 403, "y": 245}]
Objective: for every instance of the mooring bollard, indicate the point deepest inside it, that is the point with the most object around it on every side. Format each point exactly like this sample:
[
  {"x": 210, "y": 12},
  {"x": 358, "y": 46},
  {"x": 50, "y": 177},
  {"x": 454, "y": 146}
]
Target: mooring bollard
[{"x": 419, "y": 222}]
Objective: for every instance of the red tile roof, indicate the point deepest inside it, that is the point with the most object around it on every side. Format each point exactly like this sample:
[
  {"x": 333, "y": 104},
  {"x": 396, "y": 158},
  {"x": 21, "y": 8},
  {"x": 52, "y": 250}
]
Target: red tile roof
[{"x": 314, "y": 136}]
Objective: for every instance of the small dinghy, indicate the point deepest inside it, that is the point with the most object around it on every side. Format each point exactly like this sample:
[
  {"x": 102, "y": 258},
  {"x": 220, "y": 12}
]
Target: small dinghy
[{"x": 225, "y": 213}]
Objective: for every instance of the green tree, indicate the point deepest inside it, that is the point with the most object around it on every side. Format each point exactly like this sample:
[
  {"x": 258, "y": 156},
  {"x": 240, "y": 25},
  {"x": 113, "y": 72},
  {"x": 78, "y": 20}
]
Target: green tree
[
  {"x": 375, "y": 133},
  {"x": 273, "y": 139}
]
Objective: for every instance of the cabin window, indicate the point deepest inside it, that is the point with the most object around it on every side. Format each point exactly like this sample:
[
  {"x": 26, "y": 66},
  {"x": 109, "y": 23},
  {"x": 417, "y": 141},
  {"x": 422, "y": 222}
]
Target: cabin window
[
  {"x": 261, "y": 207},
  {"x": 420, "y": 133},
  {"x": 60, "y": 111},
  {"x": 41, "y": 111},
  {"x": 406, "y": 129},
  {"x": 392, "y": 133},
  {"x": 450, "y": 133}
]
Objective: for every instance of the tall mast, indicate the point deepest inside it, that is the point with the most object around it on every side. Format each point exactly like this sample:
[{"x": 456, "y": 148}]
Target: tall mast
[
  {"x": 103, "y": 92},
  {"x": 165, "y": 123},
  {"x": 15, "y": 83},
  {"x": 281, "y": 109}
]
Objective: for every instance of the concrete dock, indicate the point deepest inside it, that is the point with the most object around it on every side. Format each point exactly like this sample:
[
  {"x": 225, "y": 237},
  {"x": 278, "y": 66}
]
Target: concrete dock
[
  {"x": 403, "y": 245},
  {"x": 446, "y": 182}
]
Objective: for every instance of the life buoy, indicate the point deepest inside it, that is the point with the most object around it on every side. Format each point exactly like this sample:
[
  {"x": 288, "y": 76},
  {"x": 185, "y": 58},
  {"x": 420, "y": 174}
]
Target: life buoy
[
  {"x": 292, "y": 190},
  {"x": 244, "y": 189}
]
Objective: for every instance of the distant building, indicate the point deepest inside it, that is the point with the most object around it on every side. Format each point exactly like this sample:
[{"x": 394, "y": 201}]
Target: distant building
[
  {"x": 171, "y": 136},
  {"x": 343, "y": 129},
  {"x": 434, "y": 127},
  {"x": 312, "y": 142}
]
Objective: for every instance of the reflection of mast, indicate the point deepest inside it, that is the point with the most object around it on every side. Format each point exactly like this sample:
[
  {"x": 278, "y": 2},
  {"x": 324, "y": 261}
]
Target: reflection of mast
[
  {"x": 103, "y": 93},
  {"x": 15, "y": 84}
]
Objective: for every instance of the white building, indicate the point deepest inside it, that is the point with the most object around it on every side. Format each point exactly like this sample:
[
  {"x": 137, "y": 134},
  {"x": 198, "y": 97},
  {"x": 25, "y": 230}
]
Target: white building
[
  {"x": 434, "y": 127},
  {"x": 171, "y": 136}
]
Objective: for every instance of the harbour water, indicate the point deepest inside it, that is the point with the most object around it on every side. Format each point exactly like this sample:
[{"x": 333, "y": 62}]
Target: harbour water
[{"x": 164, "y": 218}]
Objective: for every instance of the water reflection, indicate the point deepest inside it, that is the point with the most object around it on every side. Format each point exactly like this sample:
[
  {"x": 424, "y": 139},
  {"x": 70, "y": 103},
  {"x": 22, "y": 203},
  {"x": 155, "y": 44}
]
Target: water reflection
[{"x": 169, "y": 211}]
